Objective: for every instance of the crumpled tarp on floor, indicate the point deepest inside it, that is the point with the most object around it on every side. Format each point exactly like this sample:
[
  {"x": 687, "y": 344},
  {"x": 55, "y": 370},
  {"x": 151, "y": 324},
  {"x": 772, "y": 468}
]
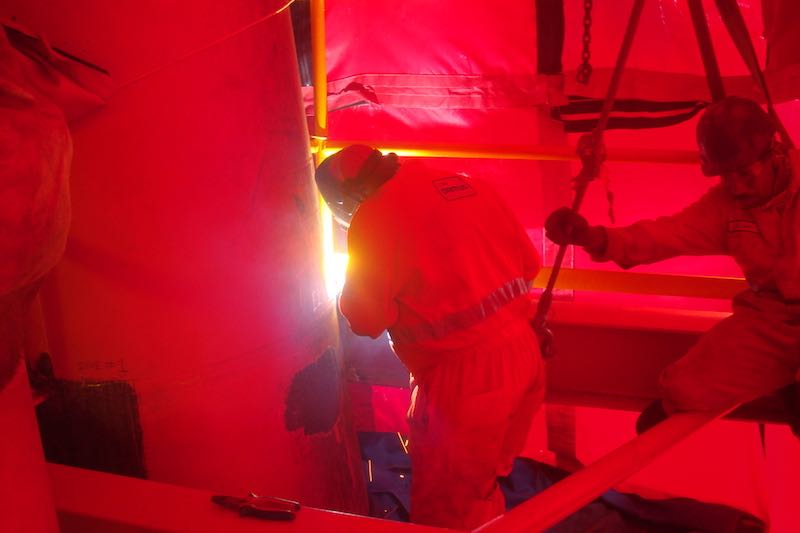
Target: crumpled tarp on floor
[{"x": 388, "y": 472}]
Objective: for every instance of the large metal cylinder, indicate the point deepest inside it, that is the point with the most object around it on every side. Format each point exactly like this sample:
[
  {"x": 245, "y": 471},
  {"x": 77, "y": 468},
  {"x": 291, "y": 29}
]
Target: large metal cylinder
[{"x": 188, "y": 321}]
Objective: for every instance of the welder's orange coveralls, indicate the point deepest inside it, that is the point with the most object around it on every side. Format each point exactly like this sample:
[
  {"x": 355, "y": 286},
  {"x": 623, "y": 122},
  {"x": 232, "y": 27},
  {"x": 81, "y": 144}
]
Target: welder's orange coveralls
[
  {"x": 440, "y": 261},
  {"x": 757, "y": 349}
]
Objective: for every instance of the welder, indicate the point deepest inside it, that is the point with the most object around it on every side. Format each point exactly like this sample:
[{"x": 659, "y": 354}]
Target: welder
[
  {"x": 439, "y": 260},
  {"x": 753, "y": 215}
]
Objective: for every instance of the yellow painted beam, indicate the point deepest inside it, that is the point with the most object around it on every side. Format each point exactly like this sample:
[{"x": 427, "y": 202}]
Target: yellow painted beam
[
  {"x": 644, "y": 283},
  {"x": 532, "y": 153},
  {"x": 319, "y": 70}
]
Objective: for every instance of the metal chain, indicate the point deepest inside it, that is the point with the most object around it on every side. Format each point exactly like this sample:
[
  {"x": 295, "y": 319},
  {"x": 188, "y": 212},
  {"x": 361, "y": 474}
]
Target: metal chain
[{"x": 585, "y": 68}]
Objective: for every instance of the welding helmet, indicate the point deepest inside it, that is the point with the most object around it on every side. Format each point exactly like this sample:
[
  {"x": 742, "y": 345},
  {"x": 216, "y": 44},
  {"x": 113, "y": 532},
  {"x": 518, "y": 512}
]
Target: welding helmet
[
  {"x": 732, "y": 134},
  {"x": 348, "y": 177}
]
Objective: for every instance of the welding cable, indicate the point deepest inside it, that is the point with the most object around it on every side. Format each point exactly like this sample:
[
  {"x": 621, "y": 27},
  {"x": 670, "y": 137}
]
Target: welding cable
[{"x": 709, "y": 57}]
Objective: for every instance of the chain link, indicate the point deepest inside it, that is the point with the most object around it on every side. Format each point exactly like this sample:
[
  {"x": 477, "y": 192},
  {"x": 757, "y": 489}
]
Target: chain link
[{"x": 585, "y": 68}]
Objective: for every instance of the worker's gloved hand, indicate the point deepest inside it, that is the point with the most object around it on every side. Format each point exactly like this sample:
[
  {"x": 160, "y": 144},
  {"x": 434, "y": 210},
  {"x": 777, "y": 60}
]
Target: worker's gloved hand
[{"x": 566, "y": 226}]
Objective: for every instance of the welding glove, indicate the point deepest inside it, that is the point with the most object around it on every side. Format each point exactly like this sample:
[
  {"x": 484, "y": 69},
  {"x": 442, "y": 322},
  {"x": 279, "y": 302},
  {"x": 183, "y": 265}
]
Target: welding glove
[{"x": 566, "y": 226}]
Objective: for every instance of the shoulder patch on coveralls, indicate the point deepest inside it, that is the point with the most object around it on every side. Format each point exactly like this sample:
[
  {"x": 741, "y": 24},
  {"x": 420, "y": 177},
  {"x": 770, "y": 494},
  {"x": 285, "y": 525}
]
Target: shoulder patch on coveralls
[{"x": 453, "y": 187}]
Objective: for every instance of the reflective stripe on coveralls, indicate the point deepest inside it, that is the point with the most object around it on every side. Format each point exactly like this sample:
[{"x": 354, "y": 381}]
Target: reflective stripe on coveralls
[{"x": 463, "y": 319}]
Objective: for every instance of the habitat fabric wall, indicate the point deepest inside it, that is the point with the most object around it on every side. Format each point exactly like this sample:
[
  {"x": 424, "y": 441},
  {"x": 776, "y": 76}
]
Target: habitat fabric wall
[{"x": 398, "y": 75}]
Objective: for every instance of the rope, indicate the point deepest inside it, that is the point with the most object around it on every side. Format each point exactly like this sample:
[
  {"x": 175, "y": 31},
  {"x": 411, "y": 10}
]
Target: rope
[
  {"x": 706, "y": 50},
  {"x": 732, "y": 17},
  {"x": 584, "y": 177}
]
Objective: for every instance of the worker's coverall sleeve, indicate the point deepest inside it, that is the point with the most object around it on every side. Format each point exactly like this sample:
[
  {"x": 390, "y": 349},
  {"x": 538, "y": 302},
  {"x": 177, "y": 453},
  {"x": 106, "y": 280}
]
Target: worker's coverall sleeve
[
  {"x": 367, "y": 299},
  {"x": 699, "y": 229}
]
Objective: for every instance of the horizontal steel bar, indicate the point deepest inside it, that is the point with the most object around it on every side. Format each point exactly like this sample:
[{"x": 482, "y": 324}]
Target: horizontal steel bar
[
  {"x": 535, "y": 153},
  {"x": 644, "y": 283}
]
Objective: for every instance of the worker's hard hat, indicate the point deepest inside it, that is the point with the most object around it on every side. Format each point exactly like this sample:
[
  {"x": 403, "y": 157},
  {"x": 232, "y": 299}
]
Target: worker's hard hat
[
  {"x": 342, "y": 176},
  {"x": 733, "y": 133}
]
